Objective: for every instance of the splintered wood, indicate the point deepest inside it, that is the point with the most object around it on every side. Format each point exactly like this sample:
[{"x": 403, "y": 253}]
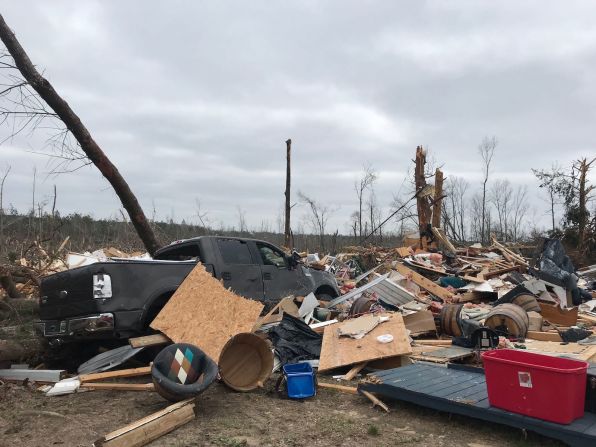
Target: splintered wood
[
  {"x": 204, "y": 313},
  {"x": 339, "y": 351}
]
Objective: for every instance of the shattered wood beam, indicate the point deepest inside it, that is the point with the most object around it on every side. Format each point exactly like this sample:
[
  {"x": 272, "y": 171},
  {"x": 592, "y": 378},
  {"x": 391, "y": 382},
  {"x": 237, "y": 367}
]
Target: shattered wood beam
[
  {"x": 375, "y": 401},
  {"x": 88, "y": 145},
  {"x": 424, "y": 282},
  {"x": 151, "y": 427},
  {"x": 438, "y": 200}
]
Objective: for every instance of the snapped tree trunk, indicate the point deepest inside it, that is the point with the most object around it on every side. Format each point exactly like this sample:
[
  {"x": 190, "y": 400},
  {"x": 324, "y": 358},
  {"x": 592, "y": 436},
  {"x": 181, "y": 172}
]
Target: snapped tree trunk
[
  {"x": 287, "y": 234},
  {"x": 82, "y": 135},
  {"x": 438, "y": 201},
  {"x": 423, "y": 205}
]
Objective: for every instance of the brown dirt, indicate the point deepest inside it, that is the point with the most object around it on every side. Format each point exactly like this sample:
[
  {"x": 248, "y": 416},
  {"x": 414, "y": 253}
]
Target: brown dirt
[{"x": 229, "y": 419}]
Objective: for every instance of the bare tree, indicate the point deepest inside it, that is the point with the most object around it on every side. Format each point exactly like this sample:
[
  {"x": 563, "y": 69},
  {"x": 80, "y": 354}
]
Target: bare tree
[
  {"x": 519, "y": 211},
  {"x": 500, "y": 196},
  {"x": 61, "y": 109},
  {"x": 319, "y": 216},
  {"x": 366, "y": 180},
  {"x": 241, "y": 219},
  {"x": 454, "y": 211},
  {"x": 486, "y": 149},
  {"x": 548, "y": 181},
  {"x": 202, "y": 215}
]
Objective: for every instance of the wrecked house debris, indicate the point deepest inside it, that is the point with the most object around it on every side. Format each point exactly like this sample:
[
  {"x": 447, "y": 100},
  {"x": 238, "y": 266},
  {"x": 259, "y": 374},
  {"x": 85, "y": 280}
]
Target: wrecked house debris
[{"x": 481, "y": 331}]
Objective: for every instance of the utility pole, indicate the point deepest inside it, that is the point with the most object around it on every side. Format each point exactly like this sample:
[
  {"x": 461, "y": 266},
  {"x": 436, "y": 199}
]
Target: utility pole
[{"x": 287, "y": 231}]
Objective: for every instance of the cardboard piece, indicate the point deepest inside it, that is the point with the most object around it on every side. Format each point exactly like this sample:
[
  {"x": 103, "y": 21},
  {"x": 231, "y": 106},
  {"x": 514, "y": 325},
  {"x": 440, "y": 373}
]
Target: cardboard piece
[
  {"x": 421, "y": 322},
  {"x": 359, "y": 327},
  {"x": 204, "y": 313},
  {"x": 556, "y": 315},
  {"x": 339, "y": 351},
  {"x": 535, "y": 321}
]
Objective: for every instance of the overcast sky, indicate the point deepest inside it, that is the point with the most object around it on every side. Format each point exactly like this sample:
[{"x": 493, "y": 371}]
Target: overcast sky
[{"x": 194, "y": 100}]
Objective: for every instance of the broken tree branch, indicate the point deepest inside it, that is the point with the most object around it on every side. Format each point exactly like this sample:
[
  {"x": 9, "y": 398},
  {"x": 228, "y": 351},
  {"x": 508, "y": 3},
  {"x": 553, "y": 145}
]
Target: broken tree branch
[{"x": 91, "y": 149}]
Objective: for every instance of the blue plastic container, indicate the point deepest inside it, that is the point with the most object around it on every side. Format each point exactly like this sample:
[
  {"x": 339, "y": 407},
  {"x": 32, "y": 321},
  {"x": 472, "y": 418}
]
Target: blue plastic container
[{"x": 300, "y": 379}]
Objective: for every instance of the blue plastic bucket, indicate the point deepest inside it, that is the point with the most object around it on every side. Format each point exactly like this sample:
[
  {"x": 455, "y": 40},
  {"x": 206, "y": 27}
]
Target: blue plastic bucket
[{"x": 300, "y": 379}]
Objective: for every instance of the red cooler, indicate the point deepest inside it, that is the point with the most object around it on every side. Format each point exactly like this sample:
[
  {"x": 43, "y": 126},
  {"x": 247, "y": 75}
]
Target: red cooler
[{"x": 536, "y": 385}]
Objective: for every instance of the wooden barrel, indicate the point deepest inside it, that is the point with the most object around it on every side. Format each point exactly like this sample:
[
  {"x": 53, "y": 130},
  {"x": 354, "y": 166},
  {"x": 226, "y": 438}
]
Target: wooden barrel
[
  {"x": 508, "y": 319},
  {"x": 361, "y": 305},
  {"x": 526, "y": 302},
  {"x": 450, "y": 319},
  {"x": 245, "y": 362}
]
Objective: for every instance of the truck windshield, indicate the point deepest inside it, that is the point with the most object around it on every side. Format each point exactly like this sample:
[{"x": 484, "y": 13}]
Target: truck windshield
[{"x": 187, "y": 252}]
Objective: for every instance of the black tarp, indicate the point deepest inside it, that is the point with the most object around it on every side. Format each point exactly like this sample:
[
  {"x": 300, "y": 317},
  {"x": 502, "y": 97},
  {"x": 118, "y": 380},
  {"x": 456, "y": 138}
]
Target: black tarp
[{"x": 294, "y": 340}]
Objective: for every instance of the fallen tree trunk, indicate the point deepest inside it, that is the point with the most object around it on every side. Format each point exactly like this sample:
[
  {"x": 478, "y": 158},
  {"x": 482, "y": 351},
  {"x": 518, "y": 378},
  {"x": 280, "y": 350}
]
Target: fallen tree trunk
[
  {"x": 73, "y": 123},
  {"x": 18, "y": 350}
]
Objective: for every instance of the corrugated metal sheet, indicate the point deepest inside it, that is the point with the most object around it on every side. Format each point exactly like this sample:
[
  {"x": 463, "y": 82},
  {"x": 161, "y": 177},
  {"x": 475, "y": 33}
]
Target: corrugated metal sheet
[{"x": 391, "y": 293}]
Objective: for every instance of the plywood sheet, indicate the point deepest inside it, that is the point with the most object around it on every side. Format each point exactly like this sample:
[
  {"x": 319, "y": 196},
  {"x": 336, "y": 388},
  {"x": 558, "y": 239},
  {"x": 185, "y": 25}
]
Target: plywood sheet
[
  {"x": 345, "y": 351},
  {"x": 204, "y": 313}
]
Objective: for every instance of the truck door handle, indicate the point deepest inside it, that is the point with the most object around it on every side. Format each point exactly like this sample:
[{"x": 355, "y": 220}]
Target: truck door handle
[
  {"x": 226, "y": 275},
  {"x": 266, "y": 275}
]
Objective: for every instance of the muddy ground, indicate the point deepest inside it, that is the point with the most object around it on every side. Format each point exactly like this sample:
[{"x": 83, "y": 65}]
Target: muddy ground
[{"x": 229, "y": 419}]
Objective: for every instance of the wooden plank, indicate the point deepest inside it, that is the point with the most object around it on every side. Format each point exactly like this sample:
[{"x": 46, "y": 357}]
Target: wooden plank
[
  {"x": 151, "y": 427},
  {"x": 339, "y": 351},
  {"x": 444, "y": 355},
  {"x": 149, "y": 340},
  {"x": 204, "y": 313},
  {"x": 434, "y": 342},
  {"x": 544, "y": 336},
  {"x": 404, "y": 252},
  {"x": 572, "y": 350},
  {"x": 493, "y": 273},
  {"x": 375, "y": 401},
  {"x": 554, "y": 314},
  {"x": 342, "y": 388},
  {"x": 355, "y": 370},
  {"x": 425, "y": 283},
  {"x": 119, "y": 386},
  {"x": 133, "y": 372}
]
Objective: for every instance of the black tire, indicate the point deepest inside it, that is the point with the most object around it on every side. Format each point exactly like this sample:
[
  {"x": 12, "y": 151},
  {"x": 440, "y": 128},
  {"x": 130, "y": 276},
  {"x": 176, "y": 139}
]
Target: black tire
[{"x": 323, "y": 296}]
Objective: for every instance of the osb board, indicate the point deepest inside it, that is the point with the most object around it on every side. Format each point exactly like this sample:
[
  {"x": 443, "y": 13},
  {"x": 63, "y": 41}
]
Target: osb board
[
  {"x": 443, "y": 355},
  {"x": 204, "y": 313},
  {"x": 339, "y": 351}
]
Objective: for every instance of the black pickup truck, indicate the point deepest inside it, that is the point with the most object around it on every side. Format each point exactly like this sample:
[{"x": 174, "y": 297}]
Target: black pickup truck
[{"x": 119, "y": 298}]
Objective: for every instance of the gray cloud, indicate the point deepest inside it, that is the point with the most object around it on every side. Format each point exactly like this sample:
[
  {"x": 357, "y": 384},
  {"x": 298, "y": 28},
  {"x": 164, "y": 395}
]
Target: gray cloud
[{"x": 194, "y": 100}]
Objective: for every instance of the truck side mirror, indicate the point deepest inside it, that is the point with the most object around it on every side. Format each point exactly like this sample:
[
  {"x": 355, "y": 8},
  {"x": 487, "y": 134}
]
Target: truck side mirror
[{"x": 291, "y": 261}]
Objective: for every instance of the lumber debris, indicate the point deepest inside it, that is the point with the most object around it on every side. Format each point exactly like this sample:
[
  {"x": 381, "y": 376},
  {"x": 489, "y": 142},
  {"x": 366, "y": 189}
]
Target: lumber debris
[
  {"x": 133, "y": 372},
  {"x": 119, "y": 386},
  {"x": 342, "y": 388},
  {"x": 149, "y": 340},
  {"x": 375, "y": 401},
  {"x": 151, "y": 427}
]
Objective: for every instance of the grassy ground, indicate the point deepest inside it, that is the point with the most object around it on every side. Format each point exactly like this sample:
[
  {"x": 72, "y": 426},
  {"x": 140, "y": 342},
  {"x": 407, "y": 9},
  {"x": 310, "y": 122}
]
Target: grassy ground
[{"x": 230, "y": 419}]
